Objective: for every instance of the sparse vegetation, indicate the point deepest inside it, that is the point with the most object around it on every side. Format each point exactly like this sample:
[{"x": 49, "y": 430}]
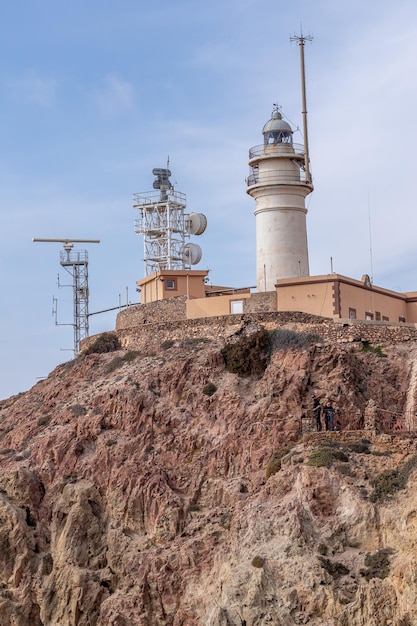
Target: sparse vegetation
[
  {"x": 168, "y": 343},
  {"x": 114, "y": 364},
  {"x": 389, "y": 482},
  {"x": 3, "y": 432},
  {"x": 47, "y": 564},
  {"x": 249, "y": 356},
  {"x": 360, "y": 447},
  {"x": 325, "y": 455},
  {"x": 78, "y": 410},
  {"x": 193, "y": 341},
  {"x": 366, "y": 347},
  {"x": 106, "y": 342},
  {"x": 130, "y": 356},
  {"x": 345, "y": 469},
  {"x": 119, "y": 360},
  {"x": 258, "y": 561},
  {"x": 285, "y": 339},
  {"x": 44, "y": 420},
  {"x": 334, "y": 568},
  {"x": 377, "y": 565},
  {"x": 274, "y": 463},
  {"x": 209, "y": 389}
]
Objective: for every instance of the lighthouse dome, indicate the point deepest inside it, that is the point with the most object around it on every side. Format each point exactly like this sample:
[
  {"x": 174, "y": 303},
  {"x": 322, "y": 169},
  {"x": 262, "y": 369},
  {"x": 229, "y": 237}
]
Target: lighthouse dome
[{"x": 277, "y": 130}]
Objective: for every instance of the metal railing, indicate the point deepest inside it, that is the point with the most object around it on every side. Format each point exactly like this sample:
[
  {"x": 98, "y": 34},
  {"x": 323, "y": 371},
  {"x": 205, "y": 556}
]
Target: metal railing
[
  {"x": 272, "y": 149},
  {"x": 155, "y": 197},
  {"x": 384, "y": 422}
]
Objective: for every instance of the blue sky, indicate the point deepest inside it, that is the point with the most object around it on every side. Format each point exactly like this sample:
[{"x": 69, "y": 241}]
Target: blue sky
[{"x": 93, "y": 95}]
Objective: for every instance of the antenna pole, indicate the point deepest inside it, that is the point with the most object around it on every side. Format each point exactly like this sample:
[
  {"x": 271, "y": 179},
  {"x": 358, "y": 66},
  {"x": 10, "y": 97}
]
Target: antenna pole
[
  {"x": 370, "y": 238},
  {"x": 76, "y": 264},
  {"x": 301, "y": 39}
]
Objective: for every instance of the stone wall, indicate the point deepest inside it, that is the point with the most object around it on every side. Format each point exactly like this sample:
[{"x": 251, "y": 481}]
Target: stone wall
[
  {"x": 151, "y": 313},
  {"x": 145, "y": 328},
  {"x": 261, "y": 302}
]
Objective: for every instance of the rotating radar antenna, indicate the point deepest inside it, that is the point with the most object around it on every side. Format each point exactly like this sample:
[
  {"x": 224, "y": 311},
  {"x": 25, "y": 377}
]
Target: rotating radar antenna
[
  {"x": 166, "y": 227},
  {"x": 75, "y": 262}
]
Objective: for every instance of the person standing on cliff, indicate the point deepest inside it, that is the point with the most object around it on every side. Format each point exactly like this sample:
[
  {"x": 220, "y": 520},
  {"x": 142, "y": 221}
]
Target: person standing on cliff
[
  {"x": 329, "y": 416},
  {"x": 337, "y": 424},
  {"x": 317, "y": 411}
]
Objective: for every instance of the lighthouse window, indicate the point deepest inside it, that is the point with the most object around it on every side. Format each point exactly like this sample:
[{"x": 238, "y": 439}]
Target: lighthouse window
[
  {"x": 352, "y": 314},
  {"x": 278, "y": 137},
  {"x": 170, "y": 284}
]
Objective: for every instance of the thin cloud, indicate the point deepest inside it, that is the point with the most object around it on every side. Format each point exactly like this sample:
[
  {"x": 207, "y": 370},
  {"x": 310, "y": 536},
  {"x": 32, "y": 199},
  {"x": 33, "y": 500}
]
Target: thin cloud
[
  {"x": 115, "y": 96},
  {"x": 35, "y": 89}
]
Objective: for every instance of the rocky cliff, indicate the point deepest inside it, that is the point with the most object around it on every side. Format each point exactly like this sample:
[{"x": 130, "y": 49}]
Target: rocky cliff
[{"x": 185, "y": 486}]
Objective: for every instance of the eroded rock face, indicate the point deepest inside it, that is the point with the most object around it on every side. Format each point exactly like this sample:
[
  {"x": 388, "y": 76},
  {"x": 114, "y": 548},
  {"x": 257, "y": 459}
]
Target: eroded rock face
[{"x": 133, "y": 494}]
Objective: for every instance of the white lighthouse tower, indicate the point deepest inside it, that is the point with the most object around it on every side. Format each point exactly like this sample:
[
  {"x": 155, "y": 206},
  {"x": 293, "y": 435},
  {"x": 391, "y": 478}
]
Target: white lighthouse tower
[{"x": 279, "y": 181}]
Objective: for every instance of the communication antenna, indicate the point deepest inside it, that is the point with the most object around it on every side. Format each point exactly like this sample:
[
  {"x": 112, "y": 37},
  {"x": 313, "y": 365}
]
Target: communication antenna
[
  {"x": 166, "y": 226},
  {"x": 301, "y": 39},
  {"x": 75, "y": 262},
  {"x": 370, "y": 238}
]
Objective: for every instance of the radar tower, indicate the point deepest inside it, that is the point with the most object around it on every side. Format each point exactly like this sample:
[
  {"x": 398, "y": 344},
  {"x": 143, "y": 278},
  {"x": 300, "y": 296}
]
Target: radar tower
[
  {"x": 75, "y": 262},
  {"x": 166, "y": 227}
]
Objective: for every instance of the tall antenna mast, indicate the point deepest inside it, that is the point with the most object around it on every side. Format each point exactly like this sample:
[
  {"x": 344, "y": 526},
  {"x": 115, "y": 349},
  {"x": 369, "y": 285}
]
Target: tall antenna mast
[
  {"x": 75, "y": 262},
  {"x": 301, "y": 39}
]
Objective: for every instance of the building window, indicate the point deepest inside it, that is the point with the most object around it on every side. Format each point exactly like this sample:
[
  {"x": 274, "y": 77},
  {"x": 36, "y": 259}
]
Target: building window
[
  {"x": 385, "y": 318},
  {"x": 401, "y": 319},
  {"x": 236, "y": 306},
  {"x": 369, "y": 316},
  {"x": 377, "y": 316},
  {"x": 170, "y": 283},
  {"x": 352, "y": 314}
]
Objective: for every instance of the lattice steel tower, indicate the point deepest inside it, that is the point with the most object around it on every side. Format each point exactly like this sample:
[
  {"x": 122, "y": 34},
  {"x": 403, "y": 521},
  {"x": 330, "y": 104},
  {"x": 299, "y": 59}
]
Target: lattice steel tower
[
  {"x": 75, "y": 262},
  {"x": 165, "y": 226}
]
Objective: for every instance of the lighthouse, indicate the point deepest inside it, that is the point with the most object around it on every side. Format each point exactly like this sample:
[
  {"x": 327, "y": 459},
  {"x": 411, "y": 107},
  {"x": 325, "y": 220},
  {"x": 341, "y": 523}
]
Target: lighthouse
[{"x": 279, "y": 181}]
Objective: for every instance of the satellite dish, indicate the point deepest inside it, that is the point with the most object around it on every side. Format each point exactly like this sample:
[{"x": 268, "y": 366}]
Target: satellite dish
[
  {"x": 191, "y": 254},
  {"x": 196, "y": 223}
]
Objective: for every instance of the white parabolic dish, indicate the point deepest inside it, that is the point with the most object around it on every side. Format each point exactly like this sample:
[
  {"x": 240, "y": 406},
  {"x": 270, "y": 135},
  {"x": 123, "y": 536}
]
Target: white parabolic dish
[
  {"x": 192, "y": 253},
  {"x": 196, "y": 223}
]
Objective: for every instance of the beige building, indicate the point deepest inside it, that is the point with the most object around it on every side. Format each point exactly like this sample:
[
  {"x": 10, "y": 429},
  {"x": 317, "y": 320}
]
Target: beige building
[
  {"x": 165, "y": 284},
  {"x": 331, "y": 295}
]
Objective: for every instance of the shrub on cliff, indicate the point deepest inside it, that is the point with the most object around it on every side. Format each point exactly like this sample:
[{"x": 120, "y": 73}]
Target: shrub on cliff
[
  {"x": 209, "y": 389},
  {"x": 390, "y": 482},
  {"x": 334, "y": 568},
  {"x": 258, "y": 561},
  {"x": 249, "y": 356},
  {"x": 377, "y": 564},
  {"x": 106, "y": 342},
  {"x": 286, "y": 339},
  {"x": 274, "y": 463},
  {"x": 366, "y": 347},
  {"x": 325, "y": 455}
]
